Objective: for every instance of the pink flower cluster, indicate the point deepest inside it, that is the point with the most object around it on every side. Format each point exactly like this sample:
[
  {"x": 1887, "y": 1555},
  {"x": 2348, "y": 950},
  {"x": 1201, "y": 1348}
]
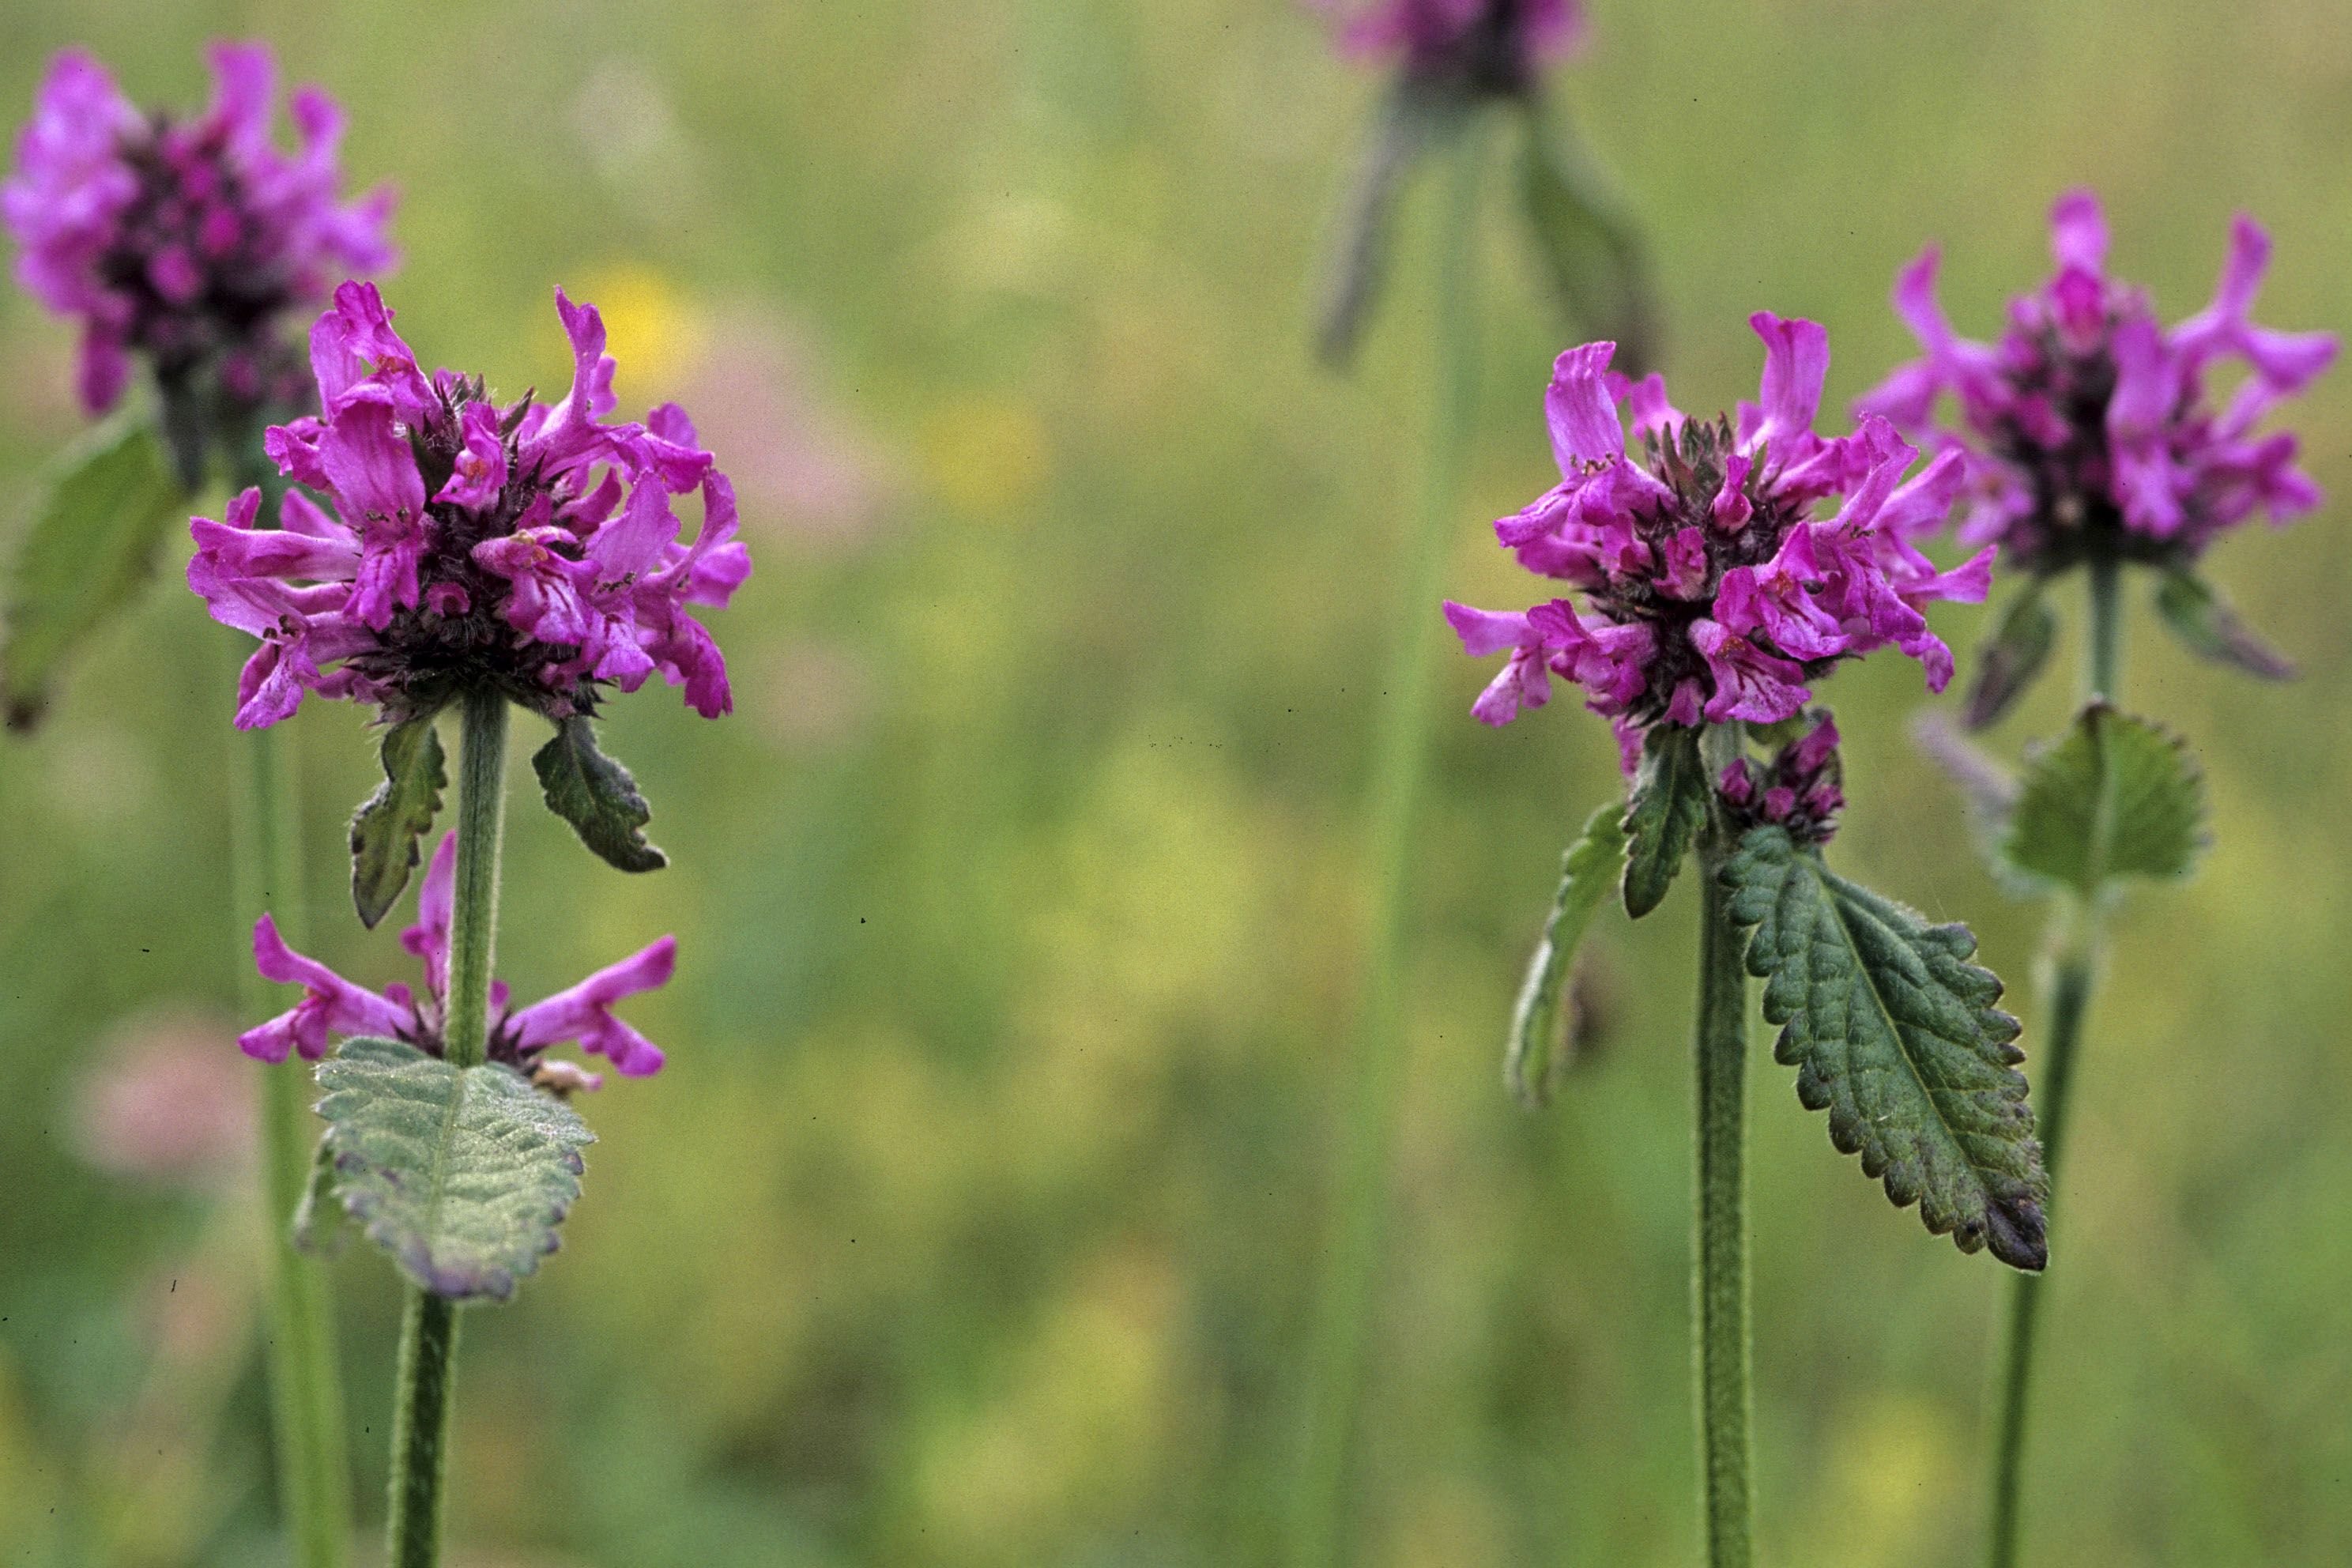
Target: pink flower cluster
[
  {"x": 331, "y": 1005},
  {"x": 523, "y": 547},
  {"x": 1797, "y": 790},
  {"x": 2088, "y": 428},
  {"x": 184, "y": 241},
  {"x": 1711, "y": 591},
  {"x": 1502, "y": 39}
]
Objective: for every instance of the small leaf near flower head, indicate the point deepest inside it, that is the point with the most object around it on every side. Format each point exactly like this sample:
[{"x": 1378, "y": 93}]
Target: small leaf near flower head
[
  {"x": 597, "y": 796},
  {"x": 2117, "y": 797},
  {"x": 2210, "y": 629},
  {"x": 390, "y": 823},
  {"x": 460, "y": 1174},
  {"x": 2008, "y": 659},
  {"x": 1893, "y": 1033},
  {"x": 1587, "y": 872},
  {"x": 1663, "y": 814},
  {"x": 92, "y": 541},
  {"x": 1413, "y": 115},
  {"x": 319, "y": 1217},
  {"x": 1590, "y": 252}
]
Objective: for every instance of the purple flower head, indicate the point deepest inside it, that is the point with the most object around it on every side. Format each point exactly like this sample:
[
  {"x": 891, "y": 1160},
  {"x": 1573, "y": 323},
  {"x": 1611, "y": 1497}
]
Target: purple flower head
[
  {"x": 1798, "y": 789},
  {"x": 331, "y": 1005},
  {"x": 2089, "y": 430},
  {"x": 1493, "y": 45},
  {"x": 525, "y": 547},
  {"x": 185, "y": 241},
  {"x": 1717, "y": 580}
]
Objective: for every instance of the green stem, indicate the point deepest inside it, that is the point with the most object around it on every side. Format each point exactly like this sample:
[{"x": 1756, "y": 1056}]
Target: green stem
[
  {"x": 428, "y": 1340},
  {"x": 306, "y": 1393},
  {"x": 1719, "y": 1290},
  {"x": 2067, "y": 982},
  {"x": 1318, "y": 1503}
]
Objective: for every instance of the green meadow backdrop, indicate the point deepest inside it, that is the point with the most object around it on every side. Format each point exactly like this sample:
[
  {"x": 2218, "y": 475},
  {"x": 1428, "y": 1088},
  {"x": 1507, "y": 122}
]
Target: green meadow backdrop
[{"x": 1019, "y": 903}]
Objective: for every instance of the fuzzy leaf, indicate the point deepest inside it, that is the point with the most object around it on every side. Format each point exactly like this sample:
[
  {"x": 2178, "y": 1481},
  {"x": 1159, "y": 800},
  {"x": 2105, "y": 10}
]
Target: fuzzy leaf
[
  {"x": 2116, "y": 797},
  {"x": 1662, "y": 816},
  {"x": 597, "y": 796},
  {"x": 1410, "y": 121},
  {"x": 93, "y": 542},
  {"x": 461, "y": 1174},
  {"x": 392, "y": 823},
  {"x": 319, "y": 1217},
  {"x": 1894, "y": 1032},
  {"x": 2210, "y": 629},
  {"x": 2011, "y": 656},
  {"x": 1590, "y": 252},
  {"x": 1586, "y": 872}
]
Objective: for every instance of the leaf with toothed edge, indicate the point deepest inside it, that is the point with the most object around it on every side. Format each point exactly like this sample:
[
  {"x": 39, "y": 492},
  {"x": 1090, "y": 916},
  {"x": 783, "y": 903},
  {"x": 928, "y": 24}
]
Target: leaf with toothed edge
[
  {"x": 1667, "y": 807},
  {"x": 2211, "y": 629},
  {"x": 2116, "y": 797},
  {"x": 2011, "y": 656},
  {"x": 1586, "y": 872},
  {"x": 91, "y": 543},
  {"x": 597, "y": 796},
  {"x": 391, "y": 823},
  {"x": 1894, "y": 1032},
  {"x": 461, "y": 1174}
]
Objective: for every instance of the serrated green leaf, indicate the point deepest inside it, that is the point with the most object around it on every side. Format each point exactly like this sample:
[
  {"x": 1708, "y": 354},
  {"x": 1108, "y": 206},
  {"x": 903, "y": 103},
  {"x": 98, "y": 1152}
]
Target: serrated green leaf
[
  {"x": 2210, "y": 629},
  {"x": 93, "y": 542},
  {"x": 1590, "y": 252},
  {"x": 391, "y": 825},
  {"x": 1662, "y": 816},
  {"x": 1894, "y": 1032},
  {"x": 2011, "y": 656},
  {"x": 597, "y": 796},
  {"x": 1587, "y": 872},
  {"x": 461, "y": 1174},
  {"x": 1410, "y": 118},
  {"x": 2116, "y": 797},
  {"x": 319, "y": 1217}
]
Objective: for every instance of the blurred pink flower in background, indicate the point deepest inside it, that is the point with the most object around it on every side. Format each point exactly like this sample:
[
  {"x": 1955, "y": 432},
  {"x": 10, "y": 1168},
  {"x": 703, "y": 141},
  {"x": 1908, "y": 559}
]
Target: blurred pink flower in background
[{"x": 154, "y": 1105}]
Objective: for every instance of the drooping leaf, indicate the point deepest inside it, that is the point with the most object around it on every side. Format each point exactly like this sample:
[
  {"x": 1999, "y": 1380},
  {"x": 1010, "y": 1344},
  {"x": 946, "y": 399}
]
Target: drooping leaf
[
  {"x": 319, "y": 1217},
  {"x": 2116, "y": 797},
  {"x": 391, "y": 823},
  {"x": 597, "y": 796},
  {"x": 1591, "y": 251},
  {"x": 461, "y": 1174},
  {"x": 1894, "y": 1032},
  {"x": 1587, "y": 870},
  {"x": 93, "y": 541},
  {"x": 1410, "y": 118},
  {"x": 2210, "y": 629},
  {"x": 1663, "y": 813},
  {"x": 2011, "y": 656}
]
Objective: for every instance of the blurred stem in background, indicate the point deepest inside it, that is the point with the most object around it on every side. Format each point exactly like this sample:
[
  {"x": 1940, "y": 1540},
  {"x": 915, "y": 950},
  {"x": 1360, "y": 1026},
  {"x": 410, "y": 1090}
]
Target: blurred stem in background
[
  {"x": 306, "y": 1394},
  {"x": 1720, "y": 1289},
  {"x": 2069, "y": 974},
  {"x": 1356, "y": 1229},
  {"x": 423, "y": 1390}
]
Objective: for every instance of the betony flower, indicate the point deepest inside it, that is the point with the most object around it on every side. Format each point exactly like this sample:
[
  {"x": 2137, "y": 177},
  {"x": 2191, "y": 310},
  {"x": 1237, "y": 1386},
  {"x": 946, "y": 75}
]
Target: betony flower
[
  {"x": 1798, "y": 789},
  {"x": 1714, "y": 587},
  {"x": 333, "y": 1006},
  {"x": 523, "y": 547},
  {"x": 2089, "y": 430},
  {"x": 185, "y": 241},
  {"x": 1495, "y": 45}
]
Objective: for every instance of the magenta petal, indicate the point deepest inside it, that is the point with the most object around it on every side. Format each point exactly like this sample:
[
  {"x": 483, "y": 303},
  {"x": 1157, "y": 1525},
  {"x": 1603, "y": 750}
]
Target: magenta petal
[
  {"x": 2078, "y": 232},
  {"x": 1582, "y": 410}
]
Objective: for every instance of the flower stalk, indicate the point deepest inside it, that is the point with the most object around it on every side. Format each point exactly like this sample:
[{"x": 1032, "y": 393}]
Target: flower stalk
[
  {"x": 424, "y": 1389},
  {"x": 1317, "y": 1524}
]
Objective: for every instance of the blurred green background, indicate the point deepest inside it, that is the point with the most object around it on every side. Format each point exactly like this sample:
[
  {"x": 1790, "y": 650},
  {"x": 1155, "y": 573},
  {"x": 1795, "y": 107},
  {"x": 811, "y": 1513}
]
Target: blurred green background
[{"x": 1020, "y": 903}]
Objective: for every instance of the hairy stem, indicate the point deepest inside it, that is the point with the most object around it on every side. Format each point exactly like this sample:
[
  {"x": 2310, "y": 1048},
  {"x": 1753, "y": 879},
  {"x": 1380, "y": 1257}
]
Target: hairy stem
[
  {"x": 1719, "y": 1291},
  {"x": 423, "y": 1392},
  {"x": 2067, "y": 982},
  {"x": 306, "y": 1396},
  {"x": 1317, "y": 1523}
]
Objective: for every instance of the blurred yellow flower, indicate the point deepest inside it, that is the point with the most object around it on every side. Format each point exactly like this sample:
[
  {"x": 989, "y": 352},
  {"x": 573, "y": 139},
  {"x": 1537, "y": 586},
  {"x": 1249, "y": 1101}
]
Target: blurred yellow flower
[{"x": 652, "y": 327}]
